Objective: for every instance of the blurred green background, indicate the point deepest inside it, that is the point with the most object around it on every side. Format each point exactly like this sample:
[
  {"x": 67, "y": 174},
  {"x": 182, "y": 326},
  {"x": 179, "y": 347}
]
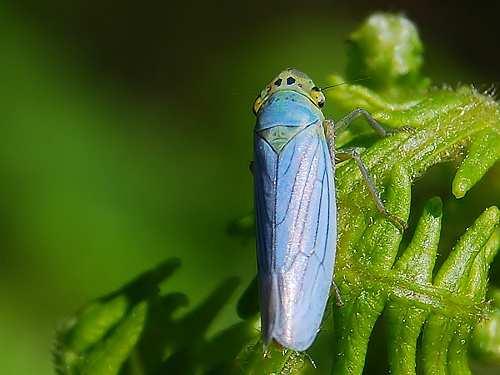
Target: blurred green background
[{"x": 126, "y": 135}]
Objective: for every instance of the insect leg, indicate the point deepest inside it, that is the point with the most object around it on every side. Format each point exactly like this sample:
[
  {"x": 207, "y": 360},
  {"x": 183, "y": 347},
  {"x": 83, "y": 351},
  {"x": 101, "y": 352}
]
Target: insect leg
[
  {"x": 251, "y": 167},
  {"x": 338, "y": 297},
  {"x": 344, "y": 122},
  {"x": 329, "y": 128},
  {"x": 354, "y": 153},
  {"x": 292, "y": 356},
  {"x": 311, "y": 361}
]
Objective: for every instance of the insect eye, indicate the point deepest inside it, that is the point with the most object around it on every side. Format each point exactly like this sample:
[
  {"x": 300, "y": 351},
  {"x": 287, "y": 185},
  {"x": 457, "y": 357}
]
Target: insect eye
[
  {"x": 290, "y": 80},
  {"x": 317, "y": 96},
  {"x": 278, "y": 82},
  {"x": 256, "y": 104}
]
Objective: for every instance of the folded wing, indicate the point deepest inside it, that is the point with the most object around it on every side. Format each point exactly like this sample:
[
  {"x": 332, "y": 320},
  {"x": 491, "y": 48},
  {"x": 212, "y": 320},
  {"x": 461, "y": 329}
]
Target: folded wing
[{"x": 296, "y": 235}]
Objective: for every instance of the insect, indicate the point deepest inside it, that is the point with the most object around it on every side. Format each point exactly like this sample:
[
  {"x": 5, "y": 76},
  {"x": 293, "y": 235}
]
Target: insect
[{"x": 296, "y": 213}]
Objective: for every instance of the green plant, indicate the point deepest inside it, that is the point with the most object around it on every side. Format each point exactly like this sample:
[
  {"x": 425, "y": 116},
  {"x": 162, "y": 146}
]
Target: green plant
[{"x": 379, "y": 272}]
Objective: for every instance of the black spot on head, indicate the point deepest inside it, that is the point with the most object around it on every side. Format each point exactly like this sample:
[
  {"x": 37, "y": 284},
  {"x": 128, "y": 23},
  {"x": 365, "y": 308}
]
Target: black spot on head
[
  {"x": 290, "y": 80},
  {"x": 278, "y": 82}
]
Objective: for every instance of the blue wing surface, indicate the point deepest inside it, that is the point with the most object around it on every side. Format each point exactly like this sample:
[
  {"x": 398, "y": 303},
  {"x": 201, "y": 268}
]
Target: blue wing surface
[{"x": 296, "y": 235}]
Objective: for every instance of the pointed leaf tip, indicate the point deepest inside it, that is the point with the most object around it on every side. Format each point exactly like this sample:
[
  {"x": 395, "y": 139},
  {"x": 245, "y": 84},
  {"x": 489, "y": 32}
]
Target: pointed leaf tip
[{"x": 484, "y": 152}]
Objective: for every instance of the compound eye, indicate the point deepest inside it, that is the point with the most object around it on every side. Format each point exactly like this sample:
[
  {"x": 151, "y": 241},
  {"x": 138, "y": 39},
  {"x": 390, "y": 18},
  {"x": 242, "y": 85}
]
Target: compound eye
[
  {"x": 290, "y": 81},
  {"x": 317, "y": 96},
  {"x": 257, "y": 104}
]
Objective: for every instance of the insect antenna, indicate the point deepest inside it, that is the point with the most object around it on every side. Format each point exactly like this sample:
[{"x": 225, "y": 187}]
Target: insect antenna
[{"x": 345, "y": 83}]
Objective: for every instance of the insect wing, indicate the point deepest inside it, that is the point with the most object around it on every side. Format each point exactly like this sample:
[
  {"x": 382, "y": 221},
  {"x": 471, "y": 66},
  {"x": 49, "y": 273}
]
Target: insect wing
[{"x": 296, "y": 234}]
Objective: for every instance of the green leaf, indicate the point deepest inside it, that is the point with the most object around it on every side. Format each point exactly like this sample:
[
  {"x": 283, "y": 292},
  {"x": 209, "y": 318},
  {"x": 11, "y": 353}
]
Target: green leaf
[
  {"x": 100, "y": 338},
  {"x": 485, "y": 343},
  {"x": 387, "y": 49}
]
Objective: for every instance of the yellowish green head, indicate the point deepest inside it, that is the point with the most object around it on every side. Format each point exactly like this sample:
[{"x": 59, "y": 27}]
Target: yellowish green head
[{"x": 291, "y": 79}]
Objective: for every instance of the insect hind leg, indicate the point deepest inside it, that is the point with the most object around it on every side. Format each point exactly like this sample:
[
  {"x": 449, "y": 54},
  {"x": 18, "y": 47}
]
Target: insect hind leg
[
  {"x": 354, "y": 153},
  {"x": 338, "y": 295},
  {"x": 291, "y": 356}
]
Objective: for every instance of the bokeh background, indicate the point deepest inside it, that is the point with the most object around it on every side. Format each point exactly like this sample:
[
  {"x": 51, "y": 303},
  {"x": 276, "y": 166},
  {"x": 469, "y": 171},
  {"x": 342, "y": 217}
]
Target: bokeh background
[{"x": 125, "y": 138}]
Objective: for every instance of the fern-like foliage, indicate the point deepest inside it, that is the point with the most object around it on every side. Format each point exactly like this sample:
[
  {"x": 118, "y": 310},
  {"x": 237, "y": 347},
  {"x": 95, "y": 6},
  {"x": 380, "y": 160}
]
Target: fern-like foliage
[
  {"x": 444, "y": 307},
  {"x": 428, "y": 313}
]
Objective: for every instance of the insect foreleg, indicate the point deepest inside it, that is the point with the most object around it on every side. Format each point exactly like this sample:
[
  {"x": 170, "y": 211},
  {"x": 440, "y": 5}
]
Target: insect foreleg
[
  {"x": 329, "y": 128},
  {"x": 344, "y": 122},
  {"x": 354, "y": 153}
]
